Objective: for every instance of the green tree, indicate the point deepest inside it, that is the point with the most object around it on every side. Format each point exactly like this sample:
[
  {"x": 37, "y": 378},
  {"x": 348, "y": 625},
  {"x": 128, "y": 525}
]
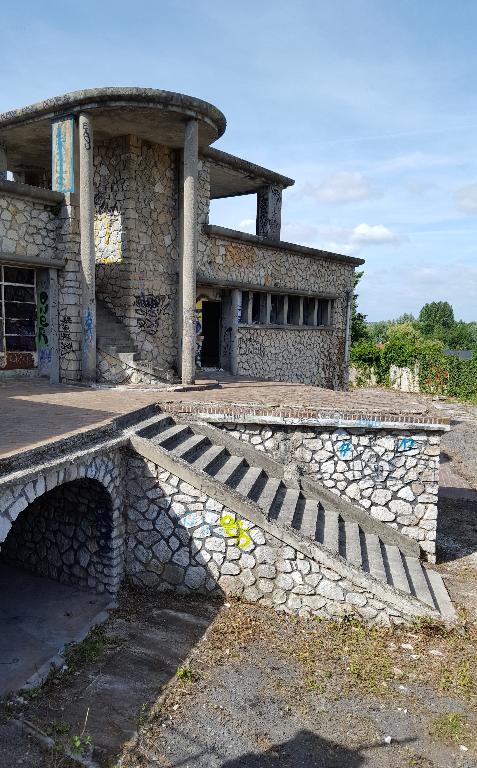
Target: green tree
[
  {"x": 359, "y": 329},
  {"x": 377, "y": 331},
  {"x": 460, "y": 336},
  {"x": 406, "y": 332},
  {"x": 435, "y": 318}
]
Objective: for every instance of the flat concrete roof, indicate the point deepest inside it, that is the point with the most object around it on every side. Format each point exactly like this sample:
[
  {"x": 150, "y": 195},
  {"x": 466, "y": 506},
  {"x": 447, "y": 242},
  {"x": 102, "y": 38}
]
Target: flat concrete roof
[
  {"x": 231, "y": 176},
  {"x": 152, "y": 114}
]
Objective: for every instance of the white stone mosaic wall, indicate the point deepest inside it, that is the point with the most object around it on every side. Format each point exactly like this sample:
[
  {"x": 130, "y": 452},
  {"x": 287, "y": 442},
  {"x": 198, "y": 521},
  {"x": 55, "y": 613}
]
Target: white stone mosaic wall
[
  {"x": 27, "y": 227},
  {"x": 393, "y": 475},
  {"x": 306, "y": 356},
  {"x": 137, "y": 242},
  {"x": 180, "y": 539},
  {"x": 102, "y": 572}
]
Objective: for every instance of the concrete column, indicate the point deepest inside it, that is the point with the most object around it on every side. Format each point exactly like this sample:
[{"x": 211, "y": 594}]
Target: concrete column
[
  {"x": 189, "y": 251},
  {"x": 268, "y": 308},
  {"x": 250, "y": 308},
  {"x": 315, "y": 312},
  {"x": 54, "y": 329},
  {"x": 285, "y": 309},
  {"x": 269, "y": 212},
  {"x": 347, "y": 339},
  {"x": 300, "y": 311},
  {"x": 87, "y": 248},
  {"x": 3, "y": 163},
  {"x": 234, "y": 339}
]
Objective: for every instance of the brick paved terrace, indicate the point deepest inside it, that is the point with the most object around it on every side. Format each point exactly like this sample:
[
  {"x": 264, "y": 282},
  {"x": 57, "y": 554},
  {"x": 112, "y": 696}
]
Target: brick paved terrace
[{"x": 34, "y": 412}]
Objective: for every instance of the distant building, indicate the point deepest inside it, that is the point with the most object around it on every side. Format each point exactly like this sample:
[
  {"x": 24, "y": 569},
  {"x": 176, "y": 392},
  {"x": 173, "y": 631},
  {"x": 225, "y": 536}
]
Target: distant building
[{"x": 110, "y": 269}]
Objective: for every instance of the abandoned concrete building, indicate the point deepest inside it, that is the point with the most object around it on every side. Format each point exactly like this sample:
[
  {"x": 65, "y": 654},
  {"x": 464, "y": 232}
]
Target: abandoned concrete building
[
  {"x": 105, "y": 240},
  {"x": 306, "y": 499}
]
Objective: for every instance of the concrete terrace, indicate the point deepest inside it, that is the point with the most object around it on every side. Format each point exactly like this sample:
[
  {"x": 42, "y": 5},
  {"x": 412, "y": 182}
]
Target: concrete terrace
[{"x": 34, "y": 412}]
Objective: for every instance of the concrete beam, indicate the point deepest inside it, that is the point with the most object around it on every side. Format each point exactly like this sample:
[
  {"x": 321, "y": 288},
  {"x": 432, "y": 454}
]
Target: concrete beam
[
  {"x": 88, "y": 373},
  {"x": 189, "y": 252}
]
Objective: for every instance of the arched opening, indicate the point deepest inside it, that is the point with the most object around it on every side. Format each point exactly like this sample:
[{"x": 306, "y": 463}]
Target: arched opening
[{"x": 66, "y": 535}]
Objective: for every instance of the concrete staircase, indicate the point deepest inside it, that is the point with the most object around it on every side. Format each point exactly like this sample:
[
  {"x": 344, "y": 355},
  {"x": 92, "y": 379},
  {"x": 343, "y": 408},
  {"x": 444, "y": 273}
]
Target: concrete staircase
[
  {"x": 251, "y": 483},
  {"x": 113, "y": 338}
]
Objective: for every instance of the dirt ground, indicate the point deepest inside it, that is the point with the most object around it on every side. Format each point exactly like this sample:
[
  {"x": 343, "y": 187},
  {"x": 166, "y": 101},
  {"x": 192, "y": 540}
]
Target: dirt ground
[{"x": 257, "y": 690}]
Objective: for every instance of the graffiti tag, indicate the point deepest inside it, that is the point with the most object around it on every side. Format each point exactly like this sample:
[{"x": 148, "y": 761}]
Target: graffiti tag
[
  {"x": 235, "y": 529},
  {"x": 42, "y": 322},
  {"x": 149, "y": 309}
]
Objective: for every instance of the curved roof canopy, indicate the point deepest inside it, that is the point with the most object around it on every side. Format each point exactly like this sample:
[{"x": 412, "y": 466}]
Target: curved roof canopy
[{"x": 155, "y": 115}]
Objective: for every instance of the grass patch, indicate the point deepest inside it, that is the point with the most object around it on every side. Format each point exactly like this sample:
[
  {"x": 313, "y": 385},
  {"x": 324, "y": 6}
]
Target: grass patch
[
  {"x": 91, "y": 649},
  {"x": 450, "y": 727},
  {"x": 185, "y": 674}
]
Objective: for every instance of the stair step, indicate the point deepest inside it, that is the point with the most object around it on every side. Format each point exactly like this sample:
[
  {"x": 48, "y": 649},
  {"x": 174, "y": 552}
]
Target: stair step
[
  {"x": 246, "y": 484},
  {"x": 441, "y": 596},
  {"x": 269, "y": 491},
  {"x": 191, "y": 445},
  {"x": 331, "y": 530},
  {"x": 353, "y": 543},
  {"x": 204, "y": 460},
  {"x": 288, "y": 507},
  {"x": 155, "y": 425},
  {"x": 419, "y": 581},
  {"x": 231, "y": 466},
  {"x": 309, "y": 519},
  {"x": 375, "y": 557},
  {"x": 396, "y": 568},
  {"x": 177, "y": 433}
]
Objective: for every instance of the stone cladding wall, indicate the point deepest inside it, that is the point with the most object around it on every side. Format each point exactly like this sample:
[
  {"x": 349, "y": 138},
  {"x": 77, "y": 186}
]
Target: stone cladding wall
[
  {"x": 40, "y": 525},
  {"x": 182, "y": 540},
  {"x": 392, "y": 474},
  {"x": 70, "y": 325},
  {"x": 311, "y": 356},
  {"x": 64, "y": 535},
  {"x": 27, "y": 227},
  {"x": 137, "y": 242},
  {"x": 306, "y": 356}
]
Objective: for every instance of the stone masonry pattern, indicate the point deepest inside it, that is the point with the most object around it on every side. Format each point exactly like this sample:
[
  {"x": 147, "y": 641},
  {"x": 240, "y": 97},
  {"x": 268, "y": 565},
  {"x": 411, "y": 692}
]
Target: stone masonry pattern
[
  {"x": 179, "y": 539},
  {"x": 393, "y": 475}
]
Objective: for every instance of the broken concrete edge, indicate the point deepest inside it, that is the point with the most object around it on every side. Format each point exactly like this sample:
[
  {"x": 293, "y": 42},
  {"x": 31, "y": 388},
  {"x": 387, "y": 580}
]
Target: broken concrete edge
[
  {"x": 407, "y": 604},
  {"x": 138, "y": 366},
  {"x": 237, "y": 413},
  {"x": 46, "y": 196},
  {"x": 30, "y": 729},
  {"x": 17, "y": 463}
]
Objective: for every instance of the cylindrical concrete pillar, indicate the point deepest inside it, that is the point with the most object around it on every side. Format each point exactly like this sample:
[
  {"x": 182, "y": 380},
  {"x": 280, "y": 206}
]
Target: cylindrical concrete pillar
[
  {"x": 236, "y": 315},
  {"x": 3, "y": 163},
  {"x": 87, "y": 248},
  {"x": 189, "y": 252}
]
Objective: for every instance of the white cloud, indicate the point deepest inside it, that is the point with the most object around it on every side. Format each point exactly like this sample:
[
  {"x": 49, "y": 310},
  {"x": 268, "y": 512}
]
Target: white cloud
[
  {"x": 247, "y": 225},
  {"x": 466, "y": 198},
  {"x": 377, "y": 234},
  {"x": 341, "y": 187}
]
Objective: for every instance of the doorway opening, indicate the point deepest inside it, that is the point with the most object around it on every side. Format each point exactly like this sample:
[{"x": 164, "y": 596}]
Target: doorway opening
[{"x": 211, "y": 322}]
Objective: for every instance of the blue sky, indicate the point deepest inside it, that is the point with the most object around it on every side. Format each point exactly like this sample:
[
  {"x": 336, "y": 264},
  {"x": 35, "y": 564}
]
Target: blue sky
[{"x": 370, "y": 105}]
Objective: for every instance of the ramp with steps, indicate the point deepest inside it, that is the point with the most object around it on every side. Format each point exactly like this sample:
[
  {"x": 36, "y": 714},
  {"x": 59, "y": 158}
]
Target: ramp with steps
[{"x": 235, "y": 470}]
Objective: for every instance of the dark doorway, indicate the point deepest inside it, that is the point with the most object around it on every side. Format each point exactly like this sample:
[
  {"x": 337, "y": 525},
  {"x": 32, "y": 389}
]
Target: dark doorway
[{"x": 211, "y": 311}]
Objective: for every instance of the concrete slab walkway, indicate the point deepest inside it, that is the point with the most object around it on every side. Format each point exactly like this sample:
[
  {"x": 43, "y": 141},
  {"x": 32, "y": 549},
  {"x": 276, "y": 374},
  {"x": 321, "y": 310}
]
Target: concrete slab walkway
[{"x": 38, "y": 617}]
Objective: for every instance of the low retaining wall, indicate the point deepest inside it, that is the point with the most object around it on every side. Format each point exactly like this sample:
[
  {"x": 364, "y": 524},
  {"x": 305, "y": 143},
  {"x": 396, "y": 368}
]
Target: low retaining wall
[
  {"x": 179, "y": 539},
  {"x": 392, "y": 474}
]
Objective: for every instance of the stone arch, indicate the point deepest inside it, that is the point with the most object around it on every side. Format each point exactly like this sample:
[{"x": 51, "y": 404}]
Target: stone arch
[{"x": 67, "y": 525}]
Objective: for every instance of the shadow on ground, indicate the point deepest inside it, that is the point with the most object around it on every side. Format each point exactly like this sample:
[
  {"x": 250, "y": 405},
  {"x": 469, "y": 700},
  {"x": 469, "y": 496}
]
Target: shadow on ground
[{"x": 307, "y": 750}]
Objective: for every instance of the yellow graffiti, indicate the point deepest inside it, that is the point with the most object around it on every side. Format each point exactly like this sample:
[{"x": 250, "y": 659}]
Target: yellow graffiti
[{"x": 235, "y": 529}]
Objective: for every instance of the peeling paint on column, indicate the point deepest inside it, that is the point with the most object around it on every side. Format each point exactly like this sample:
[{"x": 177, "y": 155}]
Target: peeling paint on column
[{"x": 63, "y": 155}]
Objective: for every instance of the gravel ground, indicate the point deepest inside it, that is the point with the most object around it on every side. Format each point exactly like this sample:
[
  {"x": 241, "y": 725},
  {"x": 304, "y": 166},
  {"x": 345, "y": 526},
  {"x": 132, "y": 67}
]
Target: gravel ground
[{"x": 259, "y": 690}]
